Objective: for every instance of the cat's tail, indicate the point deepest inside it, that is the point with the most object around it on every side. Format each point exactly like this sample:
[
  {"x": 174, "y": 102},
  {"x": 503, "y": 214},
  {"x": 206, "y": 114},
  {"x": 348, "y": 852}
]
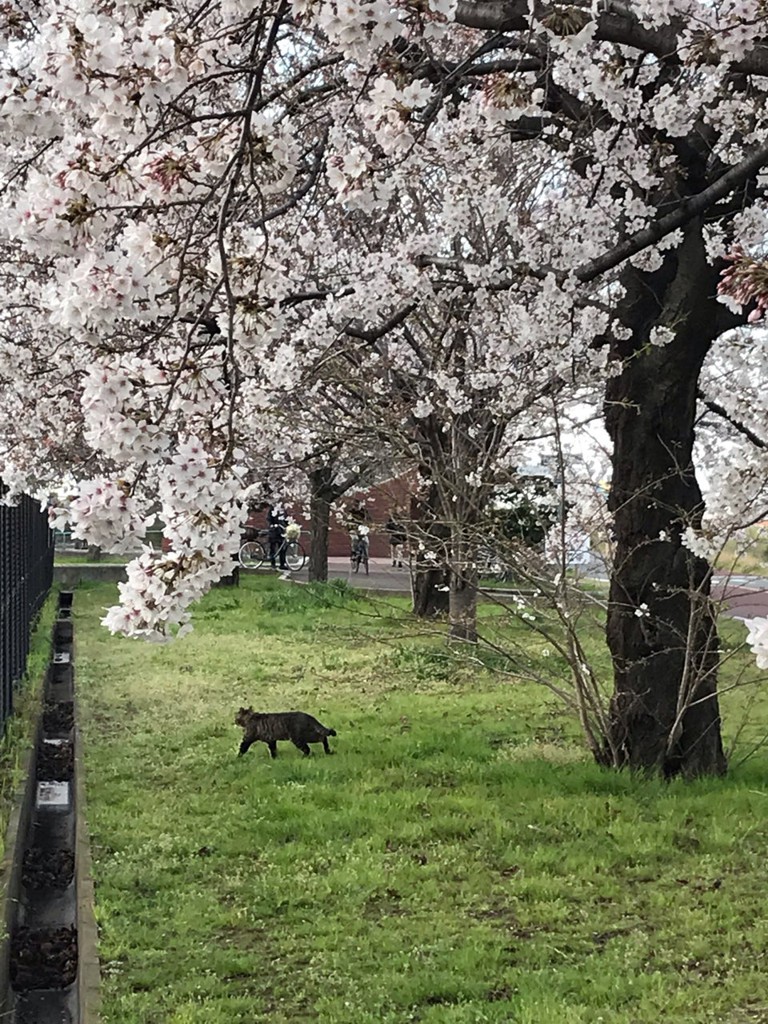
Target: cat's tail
[{"x": 330, "y": 732}]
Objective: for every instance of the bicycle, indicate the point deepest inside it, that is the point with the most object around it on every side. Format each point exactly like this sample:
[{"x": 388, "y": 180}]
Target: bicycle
[
  {"x": 360, "y": 545},
  {"x": 253, "y": 554},
  {"x": 491, "y": 566}
]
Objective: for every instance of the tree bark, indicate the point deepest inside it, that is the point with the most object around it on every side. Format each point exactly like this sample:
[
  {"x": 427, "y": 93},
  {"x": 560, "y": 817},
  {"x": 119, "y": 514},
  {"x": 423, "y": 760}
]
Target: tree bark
[
  {"x": 430, "y": 584},
  {"x": 462, "y": 612},
  {"x": 325, "y": 488},
  {"x": 233, "y": 579},
  {"x": 321, "y": 497},
  {"x": 429, "y": 590},
  {"x": 661, "y": 627}
]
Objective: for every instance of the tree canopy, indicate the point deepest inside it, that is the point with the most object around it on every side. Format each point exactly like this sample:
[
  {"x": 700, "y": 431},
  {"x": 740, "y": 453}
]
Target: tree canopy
[{"x": 207, "y": 205}]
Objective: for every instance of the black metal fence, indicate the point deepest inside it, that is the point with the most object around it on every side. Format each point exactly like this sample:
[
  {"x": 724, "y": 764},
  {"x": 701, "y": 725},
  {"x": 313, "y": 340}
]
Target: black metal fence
[{"x": 26, "y": 574}]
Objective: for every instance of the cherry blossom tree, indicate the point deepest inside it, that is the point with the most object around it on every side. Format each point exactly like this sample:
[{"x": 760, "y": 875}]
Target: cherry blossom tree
[
  {"x": 190, "y": 190},
  {"x": 314, "y": 451}
]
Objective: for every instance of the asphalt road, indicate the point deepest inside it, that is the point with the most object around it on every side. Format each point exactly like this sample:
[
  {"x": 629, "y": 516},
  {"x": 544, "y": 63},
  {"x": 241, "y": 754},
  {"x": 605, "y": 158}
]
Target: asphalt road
[
  {"x": 381, "y": 575},
  {"x": 743, "y": 597}
]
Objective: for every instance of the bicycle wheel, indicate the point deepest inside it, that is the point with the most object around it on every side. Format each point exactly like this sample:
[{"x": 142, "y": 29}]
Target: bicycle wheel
[
  {"x": 294, "y": 555},
  {"x": 252, "y": 555}
]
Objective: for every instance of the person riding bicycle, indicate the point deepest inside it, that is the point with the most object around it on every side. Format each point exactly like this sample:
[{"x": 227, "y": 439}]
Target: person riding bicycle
[{"x": 277, "y": 521}]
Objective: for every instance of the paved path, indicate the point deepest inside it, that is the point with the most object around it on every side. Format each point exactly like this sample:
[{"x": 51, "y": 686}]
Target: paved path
[
  {"x": 381, "y": 575},
  {"x": 743, "y": 597}
]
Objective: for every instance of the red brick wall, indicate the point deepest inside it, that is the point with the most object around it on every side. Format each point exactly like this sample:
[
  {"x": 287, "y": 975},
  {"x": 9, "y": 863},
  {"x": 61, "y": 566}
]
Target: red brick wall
[{"x": 380, "y": 500}]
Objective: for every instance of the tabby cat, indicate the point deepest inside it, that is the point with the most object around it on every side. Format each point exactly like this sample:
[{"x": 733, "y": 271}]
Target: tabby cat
[{"x": 301, "y": 729}]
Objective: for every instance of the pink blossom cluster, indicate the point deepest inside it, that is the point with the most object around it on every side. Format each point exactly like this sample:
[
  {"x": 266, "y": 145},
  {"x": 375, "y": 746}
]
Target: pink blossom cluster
[
  {"x": 757, "y": 639},
  {"x": 103, "y": 513},
  {"x": 745, "y": 281},
  {"x": 202, "y": 520},
  {"x": 231, "y": 232}
]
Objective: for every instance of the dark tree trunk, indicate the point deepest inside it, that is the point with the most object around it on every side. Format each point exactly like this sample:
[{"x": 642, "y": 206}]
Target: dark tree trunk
[
  {"x": 429, "y": 585},
  {"x": 233, "y": 580},
  {"x": 661, "y": 628},
  {"x": 322, "y": 495},
  {"x": 462, "y": 611},
  {"x": 429, "y": 591}
]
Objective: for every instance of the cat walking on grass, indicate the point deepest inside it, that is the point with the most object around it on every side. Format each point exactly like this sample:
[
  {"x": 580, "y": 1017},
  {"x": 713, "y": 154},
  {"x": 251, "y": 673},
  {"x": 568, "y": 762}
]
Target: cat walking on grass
[{"x": 301, "y": 729}]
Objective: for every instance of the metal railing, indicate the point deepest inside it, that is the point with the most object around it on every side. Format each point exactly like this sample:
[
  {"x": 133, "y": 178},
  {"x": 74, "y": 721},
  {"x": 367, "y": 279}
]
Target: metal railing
[{"x": 26, "y": 574}]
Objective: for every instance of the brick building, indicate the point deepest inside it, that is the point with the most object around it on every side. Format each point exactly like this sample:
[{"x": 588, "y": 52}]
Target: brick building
[{"x": 380, "y": 500}]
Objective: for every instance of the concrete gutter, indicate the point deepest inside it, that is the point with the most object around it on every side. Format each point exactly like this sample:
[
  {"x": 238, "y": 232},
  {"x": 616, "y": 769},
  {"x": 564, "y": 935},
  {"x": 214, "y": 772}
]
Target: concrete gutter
[{"x": 48, "y": 817}]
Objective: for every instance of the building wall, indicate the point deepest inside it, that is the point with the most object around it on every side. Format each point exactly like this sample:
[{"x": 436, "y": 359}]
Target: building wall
[{"x": 380, "y": 500}]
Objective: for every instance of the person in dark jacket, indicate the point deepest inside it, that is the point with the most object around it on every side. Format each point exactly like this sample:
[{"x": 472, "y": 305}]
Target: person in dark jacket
[
  {"x": 358, "y": 516},
  {"x": 277, "y": 521},
  {"x": 397, "y": 539}
]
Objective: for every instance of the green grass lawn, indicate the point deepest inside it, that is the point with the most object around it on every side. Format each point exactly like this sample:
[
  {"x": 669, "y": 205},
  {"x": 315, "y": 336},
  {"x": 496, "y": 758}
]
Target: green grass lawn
[
  {"x": 457, "y": 861},
  {"x": 82, "y": 558}
]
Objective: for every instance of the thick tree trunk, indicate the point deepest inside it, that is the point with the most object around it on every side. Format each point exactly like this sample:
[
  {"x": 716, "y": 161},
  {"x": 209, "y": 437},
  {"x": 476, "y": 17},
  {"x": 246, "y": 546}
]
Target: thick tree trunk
[
  {"x": 320, "y": 513},
  {"x": 233, "y": 580},
  {"x": 429, "y": 591},
  {"x": 429, "y": 584},
  {"x": 462, "y": 612},
  {"x": 661, "y": 627}
]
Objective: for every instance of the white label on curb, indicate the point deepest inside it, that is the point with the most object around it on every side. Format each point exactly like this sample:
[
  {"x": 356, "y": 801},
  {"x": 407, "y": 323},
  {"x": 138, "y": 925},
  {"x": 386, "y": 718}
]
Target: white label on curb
[{"x": 53, "y": 794}]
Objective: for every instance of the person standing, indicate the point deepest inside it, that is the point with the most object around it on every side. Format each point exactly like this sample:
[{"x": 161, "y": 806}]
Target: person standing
[
  {"x": 397, "y": 539},
  {"x": 277, "y": 521},
  {"x": 358, "y": 523}
]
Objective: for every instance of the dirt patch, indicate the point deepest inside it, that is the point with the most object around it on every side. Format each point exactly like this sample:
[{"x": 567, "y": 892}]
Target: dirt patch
[
  {"x": 58, "y": 718},
  {"x": 244, "y": 938},
  {"x": 504, "y": 914},
  {"x": 43, "y": 959},
  {"x": 47, "y": 869},
  {"x": 55, "y": 762}
]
